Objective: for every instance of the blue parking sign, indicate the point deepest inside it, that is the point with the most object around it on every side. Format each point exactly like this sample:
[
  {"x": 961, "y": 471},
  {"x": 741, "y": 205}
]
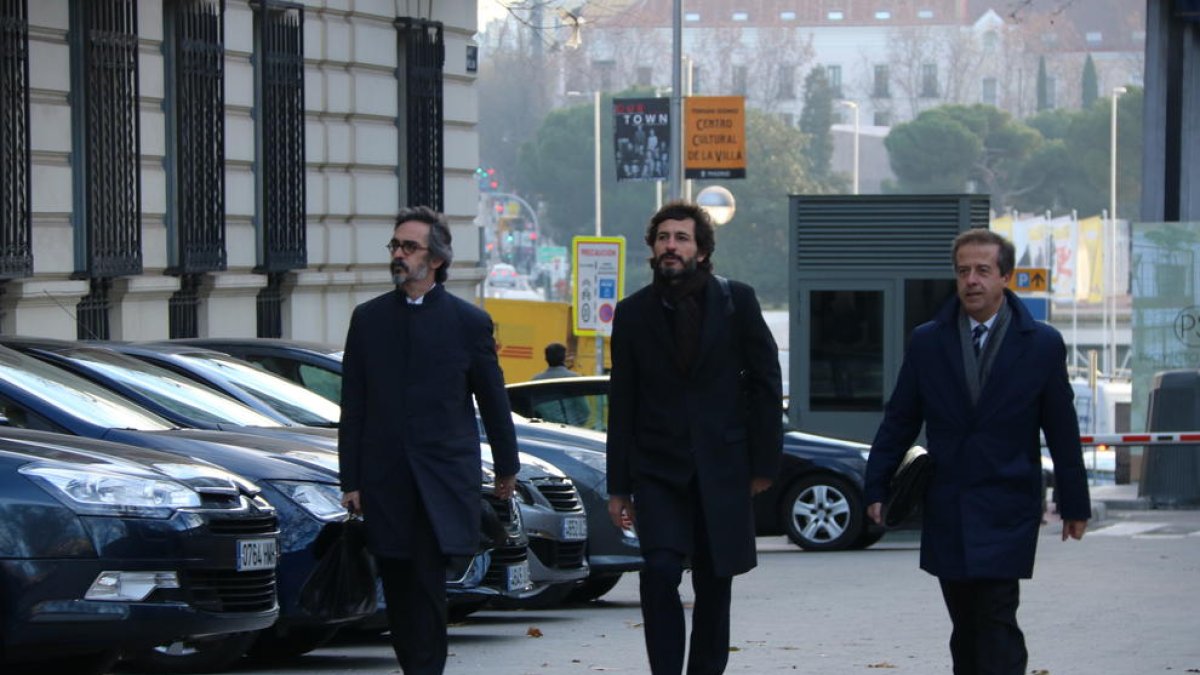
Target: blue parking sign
[{"x": 606, "y": 288}]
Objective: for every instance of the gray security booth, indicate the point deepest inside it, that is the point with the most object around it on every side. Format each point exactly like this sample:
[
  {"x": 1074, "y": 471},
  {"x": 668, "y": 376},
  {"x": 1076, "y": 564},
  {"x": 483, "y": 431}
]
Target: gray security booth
[{"x": 864, "y": 271}]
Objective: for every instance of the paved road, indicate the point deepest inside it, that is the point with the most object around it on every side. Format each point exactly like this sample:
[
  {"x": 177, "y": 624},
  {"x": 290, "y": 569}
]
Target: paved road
[{"x": 1124, "y": 601}]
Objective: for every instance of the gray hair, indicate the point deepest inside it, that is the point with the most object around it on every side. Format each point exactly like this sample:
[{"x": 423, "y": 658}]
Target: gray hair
[{"x": 439, "y": 236}]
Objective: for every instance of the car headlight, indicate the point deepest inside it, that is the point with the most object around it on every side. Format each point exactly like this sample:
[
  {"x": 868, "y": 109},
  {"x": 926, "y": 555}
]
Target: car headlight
[
  {"x": 321, "y": 500},
  {"x": 108, "y": 493}
]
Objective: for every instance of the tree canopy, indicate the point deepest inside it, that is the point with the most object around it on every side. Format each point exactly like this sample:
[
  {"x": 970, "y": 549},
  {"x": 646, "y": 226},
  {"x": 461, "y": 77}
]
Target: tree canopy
[{"x": 554, "y": 169}]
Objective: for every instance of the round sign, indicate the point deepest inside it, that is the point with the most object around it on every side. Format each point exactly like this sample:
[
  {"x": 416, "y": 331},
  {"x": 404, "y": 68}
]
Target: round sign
[
  {"x": 718, "y": 202},
  {"x": 606, "y": 313}
]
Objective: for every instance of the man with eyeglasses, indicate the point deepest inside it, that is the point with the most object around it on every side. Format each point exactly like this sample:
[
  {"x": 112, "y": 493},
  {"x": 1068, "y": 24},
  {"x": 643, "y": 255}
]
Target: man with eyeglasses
[{"x": 416, "y": 359}]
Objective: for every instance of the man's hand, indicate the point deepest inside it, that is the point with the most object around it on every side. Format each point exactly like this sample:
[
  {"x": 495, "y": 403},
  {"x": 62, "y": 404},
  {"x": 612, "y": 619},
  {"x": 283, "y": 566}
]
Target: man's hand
[
  {"x": 352, "y": 503},
  {"x": 758, "y": 485},
  {"x": 875, "y": 512},
  {"x": 1074, "y": 529},
  {"x": 505, "y": 487},
  {"x": 620, "y": 510}
]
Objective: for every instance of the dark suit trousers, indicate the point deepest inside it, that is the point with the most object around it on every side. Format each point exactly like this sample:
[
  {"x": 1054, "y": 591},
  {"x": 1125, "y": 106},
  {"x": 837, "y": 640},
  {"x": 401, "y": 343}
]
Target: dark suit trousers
[
  {"x": 662, "y": 611},
  {"x": 415, "y": 592},
  {"x": 986, "y": 639}
]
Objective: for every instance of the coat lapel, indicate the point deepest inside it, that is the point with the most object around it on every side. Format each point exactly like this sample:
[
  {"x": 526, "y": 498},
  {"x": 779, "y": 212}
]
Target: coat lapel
[
  {"x": 656, "y": 315},
  {"x": 714, "y": 322}
]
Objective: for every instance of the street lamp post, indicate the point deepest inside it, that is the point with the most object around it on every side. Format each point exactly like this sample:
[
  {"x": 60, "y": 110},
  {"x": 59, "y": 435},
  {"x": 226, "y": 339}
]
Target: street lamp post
[
  {"x": 1112, "y": 218},
  {"x": 854, "y": 106}
]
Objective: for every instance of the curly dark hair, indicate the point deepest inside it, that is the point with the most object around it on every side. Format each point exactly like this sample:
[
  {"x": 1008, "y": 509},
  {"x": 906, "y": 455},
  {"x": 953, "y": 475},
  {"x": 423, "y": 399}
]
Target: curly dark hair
[{"x": 706, "y": 238}]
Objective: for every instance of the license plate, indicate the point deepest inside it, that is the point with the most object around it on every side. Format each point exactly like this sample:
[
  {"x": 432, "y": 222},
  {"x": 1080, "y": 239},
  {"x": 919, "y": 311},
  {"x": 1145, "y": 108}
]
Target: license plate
[
  {"x": 518, "y": 576},
  {"x": 256, "y": 554},
  {"x": 574, "y": 528}
]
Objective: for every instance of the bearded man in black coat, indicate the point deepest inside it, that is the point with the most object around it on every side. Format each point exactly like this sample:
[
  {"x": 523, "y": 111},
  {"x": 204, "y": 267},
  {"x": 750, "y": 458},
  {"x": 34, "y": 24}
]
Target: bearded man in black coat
[
  {"x": 408, "y": 441},
  {"x": 695, "y": 431}
]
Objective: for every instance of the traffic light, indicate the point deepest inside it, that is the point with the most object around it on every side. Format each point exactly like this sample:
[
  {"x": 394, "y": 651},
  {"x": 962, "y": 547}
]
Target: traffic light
[{"x": 486, "y": 180}]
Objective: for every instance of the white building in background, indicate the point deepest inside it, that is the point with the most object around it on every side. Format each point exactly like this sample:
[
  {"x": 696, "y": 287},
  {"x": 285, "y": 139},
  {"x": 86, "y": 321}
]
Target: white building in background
[{"x": 209, "y": 167}]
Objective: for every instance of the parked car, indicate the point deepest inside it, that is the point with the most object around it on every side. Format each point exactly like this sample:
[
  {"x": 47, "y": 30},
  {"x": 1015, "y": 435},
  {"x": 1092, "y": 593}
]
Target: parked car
[
  {"x": 817, "y": 499},
  {"x": 108, "y": 548},
  {"x": 37, "y": 395},
  {"x": 609, "y": 550},
  {"x": 264, "y": 391}
]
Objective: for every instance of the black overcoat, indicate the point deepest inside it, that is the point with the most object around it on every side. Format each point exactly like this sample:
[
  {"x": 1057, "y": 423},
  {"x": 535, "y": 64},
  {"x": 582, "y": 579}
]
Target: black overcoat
[
  {"x": 408, "y": 428},
  {"x": 718, "y": 424},
  {"x": 983, "y": 508}
]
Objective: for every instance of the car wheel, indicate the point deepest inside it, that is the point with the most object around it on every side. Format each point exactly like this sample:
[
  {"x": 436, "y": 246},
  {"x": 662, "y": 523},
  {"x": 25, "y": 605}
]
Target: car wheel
[
  {"x": 593, "y": 587},
  {"x": 823, "y": 513},
  {"x": 275, "y": 644},
  {"x": 199, "y": 655}
]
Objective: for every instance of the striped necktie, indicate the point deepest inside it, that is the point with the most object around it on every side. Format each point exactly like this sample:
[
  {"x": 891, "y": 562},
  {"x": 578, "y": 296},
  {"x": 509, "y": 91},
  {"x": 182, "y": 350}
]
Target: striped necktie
[{"x": 977, "y": 337}]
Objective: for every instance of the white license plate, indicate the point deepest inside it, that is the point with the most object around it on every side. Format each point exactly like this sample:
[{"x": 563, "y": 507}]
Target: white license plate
[
  {"x": 518, "y": 576},
  {"x": 256, "y": 554},
  {"x": 574, "y": 528}
]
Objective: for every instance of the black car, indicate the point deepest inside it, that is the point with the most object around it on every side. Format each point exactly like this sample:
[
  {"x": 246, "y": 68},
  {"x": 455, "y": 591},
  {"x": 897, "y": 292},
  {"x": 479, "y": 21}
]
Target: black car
[
  {"x": 314, "y": 365},
  {"x": 817, "y": 500},
  {"x": 108, "y": 548}
]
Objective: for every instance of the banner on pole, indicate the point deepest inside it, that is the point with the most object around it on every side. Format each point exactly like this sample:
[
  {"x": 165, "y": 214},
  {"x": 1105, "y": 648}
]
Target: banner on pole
[
  {"x": 642, "y": 138},
  {"x": 715, "y": 137}
]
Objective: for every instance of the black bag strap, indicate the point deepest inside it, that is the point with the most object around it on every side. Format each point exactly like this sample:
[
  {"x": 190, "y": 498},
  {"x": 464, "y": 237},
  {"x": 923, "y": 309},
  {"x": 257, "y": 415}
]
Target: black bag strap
[{"x": 726, "y": 293}]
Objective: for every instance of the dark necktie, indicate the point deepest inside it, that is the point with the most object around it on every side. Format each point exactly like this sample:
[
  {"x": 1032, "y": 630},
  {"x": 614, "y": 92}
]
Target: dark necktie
[{"x": 977, "y": 337}]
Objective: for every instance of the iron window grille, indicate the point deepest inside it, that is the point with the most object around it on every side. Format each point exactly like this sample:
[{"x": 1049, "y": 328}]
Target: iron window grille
[
  {"x": 91, "y": 314},
  {"x": 270, "y": 307},
  {"x": 106, "y": 138},
  {"x": 421, "y": 57},
  {"x": 183, "y": 309},
  {"x": 16, "y": 252},
  {"x": 194, "y": 48},
  {"x": 279, "y": 135}
]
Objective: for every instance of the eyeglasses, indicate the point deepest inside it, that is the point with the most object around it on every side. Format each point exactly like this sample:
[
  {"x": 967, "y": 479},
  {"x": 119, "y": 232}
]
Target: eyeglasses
[{"x": 408, "y": 246}]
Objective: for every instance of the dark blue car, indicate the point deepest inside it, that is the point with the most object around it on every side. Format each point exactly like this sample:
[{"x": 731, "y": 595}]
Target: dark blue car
[
  {"x": 108, "y": 548},
  {"x": 37, "y": 395}
]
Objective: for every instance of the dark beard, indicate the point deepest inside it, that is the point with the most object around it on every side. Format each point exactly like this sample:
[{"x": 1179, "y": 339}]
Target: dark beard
[{"x": 673, "y": 275}]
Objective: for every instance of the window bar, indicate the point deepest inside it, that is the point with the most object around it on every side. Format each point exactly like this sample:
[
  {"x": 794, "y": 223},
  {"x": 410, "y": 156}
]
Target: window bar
[{"x": 16, "y": 254}]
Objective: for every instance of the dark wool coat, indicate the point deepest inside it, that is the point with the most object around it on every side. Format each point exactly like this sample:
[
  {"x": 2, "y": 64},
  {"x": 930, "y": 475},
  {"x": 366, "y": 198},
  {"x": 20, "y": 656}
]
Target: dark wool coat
[
  {"x": 408, "y": 429},
  {"x": 983, "y": 510},
  {"x": 719, "y": 424}
]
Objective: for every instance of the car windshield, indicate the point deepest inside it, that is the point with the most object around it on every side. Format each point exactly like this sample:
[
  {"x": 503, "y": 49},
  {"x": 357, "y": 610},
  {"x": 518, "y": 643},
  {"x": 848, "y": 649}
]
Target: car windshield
[
  {"x": 75, "y": 395},
  {"x": 291, "y": 400},
  {"x": 195, "y": 402}
]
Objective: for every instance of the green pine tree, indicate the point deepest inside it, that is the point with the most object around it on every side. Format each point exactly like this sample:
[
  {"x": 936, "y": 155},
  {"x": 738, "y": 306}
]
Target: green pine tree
[
  {"x": 1043, "y": 86},
  {"x": 815, "y": 120},
  {"x": 1091, "y": 84}
]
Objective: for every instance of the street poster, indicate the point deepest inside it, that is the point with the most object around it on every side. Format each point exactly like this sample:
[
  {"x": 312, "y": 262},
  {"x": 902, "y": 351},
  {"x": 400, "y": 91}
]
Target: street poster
[
  {"x": 714, "y": 139},
  {"x": 642, "y": 138},
  {"x": 599, "y": 275}
]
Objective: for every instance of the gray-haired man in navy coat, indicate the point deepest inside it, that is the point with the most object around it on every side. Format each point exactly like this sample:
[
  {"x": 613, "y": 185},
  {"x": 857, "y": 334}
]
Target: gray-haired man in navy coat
[
  {"x": 408, "y": 441},
  {"x": 986, "y": 380}
]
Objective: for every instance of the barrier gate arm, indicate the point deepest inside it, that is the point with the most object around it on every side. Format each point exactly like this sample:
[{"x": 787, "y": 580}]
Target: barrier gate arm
[{"x": 1151, "y": 438}]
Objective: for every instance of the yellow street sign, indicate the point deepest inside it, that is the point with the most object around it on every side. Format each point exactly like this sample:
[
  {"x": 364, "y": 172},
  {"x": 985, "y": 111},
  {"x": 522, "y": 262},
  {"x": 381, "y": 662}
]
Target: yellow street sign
[{"x": 1029, "y": 280}]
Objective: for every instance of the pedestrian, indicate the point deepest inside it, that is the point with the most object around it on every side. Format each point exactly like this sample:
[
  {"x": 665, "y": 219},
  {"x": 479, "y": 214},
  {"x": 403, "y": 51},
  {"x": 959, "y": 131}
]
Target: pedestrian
[
  {"x": 695, "y": 430},
  {"x": 556, "y": 363},
  {"x": 408, "y": 441},
  {"x": 985, "y": 379}
]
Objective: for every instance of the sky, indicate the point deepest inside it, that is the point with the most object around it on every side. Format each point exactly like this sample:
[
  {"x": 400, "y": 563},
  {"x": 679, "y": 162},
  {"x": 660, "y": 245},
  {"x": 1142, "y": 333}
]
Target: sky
[{"x": 488, "y": 10}]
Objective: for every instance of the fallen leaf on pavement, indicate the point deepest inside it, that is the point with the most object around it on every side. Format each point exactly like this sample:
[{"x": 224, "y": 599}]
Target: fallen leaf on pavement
[
  {"x": 881, "y": 664},
  {"x": 533, "y": 632},
  {"x": 735, "y": 649}
]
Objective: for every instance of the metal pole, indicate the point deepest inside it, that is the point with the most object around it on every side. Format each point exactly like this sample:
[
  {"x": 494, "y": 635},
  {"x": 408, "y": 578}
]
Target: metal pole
[
  {"x": 1112, "y": 215},
  {"x": 855, "y": 148},
  {"x": 676, "y": 99},
  {"x": 599, "y": 229}
]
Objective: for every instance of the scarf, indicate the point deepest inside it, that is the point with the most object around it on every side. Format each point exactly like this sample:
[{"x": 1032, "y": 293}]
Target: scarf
[{"x": 684, "y": 299}]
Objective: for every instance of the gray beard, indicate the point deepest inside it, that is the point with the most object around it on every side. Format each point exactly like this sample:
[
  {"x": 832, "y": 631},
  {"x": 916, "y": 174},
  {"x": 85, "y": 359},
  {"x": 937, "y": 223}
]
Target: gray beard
[{"x": 401, "y": 277}]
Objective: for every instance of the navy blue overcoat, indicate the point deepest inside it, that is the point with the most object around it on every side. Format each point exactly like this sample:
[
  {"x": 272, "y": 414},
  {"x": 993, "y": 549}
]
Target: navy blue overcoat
[
  {"x": 408, "y": 429},
  {"x": 982, "y": 511}
]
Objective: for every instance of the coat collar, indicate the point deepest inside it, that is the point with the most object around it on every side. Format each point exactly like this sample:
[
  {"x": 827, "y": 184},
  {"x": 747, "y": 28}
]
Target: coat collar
[
  {"x": 714, "y": 314},
  {"x": 1016, "y": 340}
]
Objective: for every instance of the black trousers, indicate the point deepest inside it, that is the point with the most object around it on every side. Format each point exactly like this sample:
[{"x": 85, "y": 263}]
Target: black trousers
[
  {"x": 986, "y": 639},
  {"x": 415, "y": 592},
  {"x": 662, "y": 611}
]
